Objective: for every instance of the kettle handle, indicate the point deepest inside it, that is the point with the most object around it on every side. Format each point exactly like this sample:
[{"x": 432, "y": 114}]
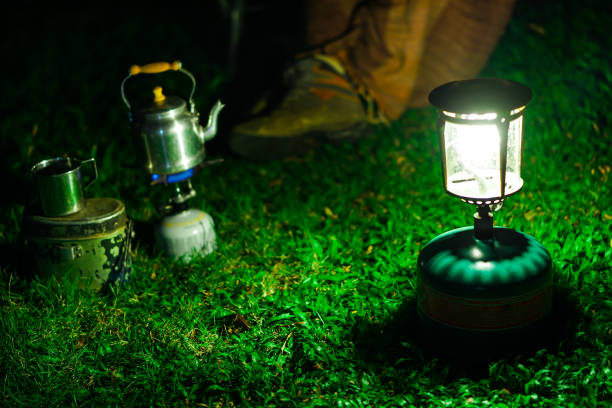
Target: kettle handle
[{"x": 157, "y": 68}]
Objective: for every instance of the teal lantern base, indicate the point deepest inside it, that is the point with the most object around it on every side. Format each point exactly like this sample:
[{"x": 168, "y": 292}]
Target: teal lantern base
[{"x": 482, "y": 293}]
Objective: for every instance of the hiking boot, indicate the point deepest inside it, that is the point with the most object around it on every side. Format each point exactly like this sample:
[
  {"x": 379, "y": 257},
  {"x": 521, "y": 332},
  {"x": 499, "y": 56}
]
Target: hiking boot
[{"x": 322, "y": 104}]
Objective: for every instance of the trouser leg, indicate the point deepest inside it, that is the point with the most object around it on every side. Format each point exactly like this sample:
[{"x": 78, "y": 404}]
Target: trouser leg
[
  {"x": 460, "y": 44},
  {"x": 398, "y": 50},
  {"x": 328, "y": 20}
]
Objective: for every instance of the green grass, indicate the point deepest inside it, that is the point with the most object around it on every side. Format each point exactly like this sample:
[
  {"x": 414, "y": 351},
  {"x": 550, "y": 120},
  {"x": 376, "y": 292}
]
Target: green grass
[{"x": 307, "y": 300}]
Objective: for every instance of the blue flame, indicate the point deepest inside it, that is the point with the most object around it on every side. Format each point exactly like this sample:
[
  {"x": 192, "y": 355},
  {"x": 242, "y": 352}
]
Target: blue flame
[{"x": 175, "y": 178}]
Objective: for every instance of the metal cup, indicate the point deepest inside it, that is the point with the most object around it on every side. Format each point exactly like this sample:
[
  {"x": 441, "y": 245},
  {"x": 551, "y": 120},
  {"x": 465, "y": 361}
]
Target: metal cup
[{"x": 60, "y": 184}]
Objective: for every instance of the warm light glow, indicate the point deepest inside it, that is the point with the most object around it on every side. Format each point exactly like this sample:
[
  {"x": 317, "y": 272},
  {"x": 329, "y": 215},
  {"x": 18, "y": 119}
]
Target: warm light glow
[
  {"x": 476, "y": 142},
  {"x": 473, "y": 116},
  {"x": 481, "y": 131},
  {"x": 473, "y": 160}
]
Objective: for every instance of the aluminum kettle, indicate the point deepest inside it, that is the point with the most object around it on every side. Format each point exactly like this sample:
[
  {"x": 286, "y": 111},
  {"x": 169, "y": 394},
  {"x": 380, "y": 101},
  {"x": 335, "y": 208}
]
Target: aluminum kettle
[{"x": 168, "y": 127}]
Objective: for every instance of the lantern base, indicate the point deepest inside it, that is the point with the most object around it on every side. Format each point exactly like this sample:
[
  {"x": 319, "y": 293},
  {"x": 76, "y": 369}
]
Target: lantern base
[
  {"x": 487, "y": 290},
  {"x": 470, "y": 346}
]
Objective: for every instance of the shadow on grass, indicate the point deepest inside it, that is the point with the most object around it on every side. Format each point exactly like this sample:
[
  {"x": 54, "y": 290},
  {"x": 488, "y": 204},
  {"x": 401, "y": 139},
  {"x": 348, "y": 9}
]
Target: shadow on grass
[
  {"x": 15, "y": 260},
  {"x": 406, "y": 342},
  {"x": 144, "y": 236}
]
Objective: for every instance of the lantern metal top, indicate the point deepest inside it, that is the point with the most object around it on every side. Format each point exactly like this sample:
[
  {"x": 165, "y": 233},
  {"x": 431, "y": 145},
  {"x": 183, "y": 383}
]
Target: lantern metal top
[{"x": 480, "y": 95}]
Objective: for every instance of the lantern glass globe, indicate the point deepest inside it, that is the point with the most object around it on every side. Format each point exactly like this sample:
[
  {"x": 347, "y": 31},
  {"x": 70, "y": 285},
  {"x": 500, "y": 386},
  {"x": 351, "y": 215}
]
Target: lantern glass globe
[
  {"x": 473, "y": 160},
  {"x": 481, "y": 133}
]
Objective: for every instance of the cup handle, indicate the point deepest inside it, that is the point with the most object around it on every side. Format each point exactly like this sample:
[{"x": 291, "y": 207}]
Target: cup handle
[{"x": 95, "y": 171}]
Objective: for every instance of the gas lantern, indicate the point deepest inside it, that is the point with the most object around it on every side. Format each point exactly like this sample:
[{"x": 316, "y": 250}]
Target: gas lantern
[{"x": 482, "y": 279}]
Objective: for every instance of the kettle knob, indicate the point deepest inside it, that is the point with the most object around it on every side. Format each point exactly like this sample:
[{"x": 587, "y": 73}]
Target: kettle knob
[{"x": 158, "y": 95}]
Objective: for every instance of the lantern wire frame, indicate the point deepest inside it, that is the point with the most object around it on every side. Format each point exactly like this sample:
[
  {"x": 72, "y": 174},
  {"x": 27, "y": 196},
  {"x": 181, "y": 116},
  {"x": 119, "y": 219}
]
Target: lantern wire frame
[{"x": 502, "y": 122}]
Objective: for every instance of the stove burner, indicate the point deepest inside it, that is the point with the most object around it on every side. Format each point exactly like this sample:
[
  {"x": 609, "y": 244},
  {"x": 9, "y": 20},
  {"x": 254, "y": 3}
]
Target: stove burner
[{"x": 172, "y": 178}]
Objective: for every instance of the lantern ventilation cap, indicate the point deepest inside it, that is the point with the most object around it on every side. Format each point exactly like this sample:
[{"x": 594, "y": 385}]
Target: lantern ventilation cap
[{"x": 481, "y": 96}]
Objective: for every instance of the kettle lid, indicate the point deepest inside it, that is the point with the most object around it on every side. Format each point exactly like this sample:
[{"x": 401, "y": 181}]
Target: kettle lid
[{"x": 163, "y": 106}]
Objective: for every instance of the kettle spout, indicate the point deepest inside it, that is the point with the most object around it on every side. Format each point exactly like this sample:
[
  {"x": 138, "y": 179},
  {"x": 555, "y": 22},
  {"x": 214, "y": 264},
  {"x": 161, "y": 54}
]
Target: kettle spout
[{"x": 211, "y": 127}]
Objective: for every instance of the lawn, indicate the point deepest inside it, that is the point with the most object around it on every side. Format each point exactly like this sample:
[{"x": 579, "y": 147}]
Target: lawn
[{"x": 309, "y": 297}]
